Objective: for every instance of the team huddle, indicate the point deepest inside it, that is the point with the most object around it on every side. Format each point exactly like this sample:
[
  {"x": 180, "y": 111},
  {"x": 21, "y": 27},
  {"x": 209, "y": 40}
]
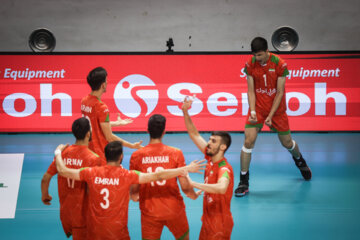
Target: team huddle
[{"x": 94, "y": 189}]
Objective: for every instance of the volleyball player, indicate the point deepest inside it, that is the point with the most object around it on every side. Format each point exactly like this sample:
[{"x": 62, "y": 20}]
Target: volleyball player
[
  {"x": 217, "y": 221},
  {"x": 97, "y": 111},
  {"x": 72, "y": 194},
  {"x": 161, "y": 203},
  {"x": 109, "y": 188},
  {"x": 266, "y": 75}
]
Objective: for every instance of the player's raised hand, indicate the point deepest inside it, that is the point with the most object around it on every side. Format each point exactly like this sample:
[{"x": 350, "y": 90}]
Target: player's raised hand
[
  {"x": 46, "y": 199},
  {"x": 62, "y": 147},
  {"x": 188, "y": 100},
  {"x": 121, "y": 122},
  {"x": 199, "y": 192},
  {"x": 196, "y": 165},
  {"x": 138, "y": 145}
]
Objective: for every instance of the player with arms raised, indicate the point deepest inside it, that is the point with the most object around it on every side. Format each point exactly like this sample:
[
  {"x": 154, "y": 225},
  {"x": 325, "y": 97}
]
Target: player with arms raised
[
  {"x": 109, "y": 188},
  {"x": 219, "y": 181}
]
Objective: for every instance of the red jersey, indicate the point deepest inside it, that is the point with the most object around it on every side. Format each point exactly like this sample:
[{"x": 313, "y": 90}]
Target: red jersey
[
  {"x": 72, "y": 194},
  {"x": 160, "y": 199},
  {"x": 97, "y": 111},
  {"x": 109, "y": 194},
  {"x": 217, "y": 215},
  {"x": 265, "y": 81}
]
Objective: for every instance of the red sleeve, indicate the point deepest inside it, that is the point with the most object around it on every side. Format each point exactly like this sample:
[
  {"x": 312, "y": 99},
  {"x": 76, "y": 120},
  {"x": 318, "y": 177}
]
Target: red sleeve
[
  {"x": 249, "y": 67},
  {"x": 133, "y": 177},
  {"x": 85, "y": 174},
  {"x": 95, "y": 160},
  {"x": 103, "y": 113},
  {"x": 133, "y": 162},
  {"x": 180, "y": 159},
  {"x": 281, "y": 68},
  {"x": 52, "y": 169},
  {"x": 224, "y": 172}
]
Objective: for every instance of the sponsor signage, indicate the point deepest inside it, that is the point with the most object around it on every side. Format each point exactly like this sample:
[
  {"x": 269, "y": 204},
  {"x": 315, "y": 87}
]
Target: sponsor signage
[
  {"x": 10, "y": 175},
  {"x": 42, "y": 93}
]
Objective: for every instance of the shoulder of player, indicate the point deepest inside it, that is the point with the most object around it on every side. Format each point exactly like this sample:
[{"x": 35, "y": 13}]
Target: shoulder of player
[
  {"x": 173, "y": 149},
  {"x": 223, "y": 164},
  {"x": 276, "y": 59},
  {"x": 251, "y": 61}
]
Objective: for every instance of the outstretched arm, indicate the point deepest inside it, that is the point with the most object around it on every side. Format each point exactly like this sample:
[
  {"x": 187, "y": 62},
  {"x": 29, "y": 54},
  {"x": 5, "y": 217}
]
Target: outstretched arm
[
  {"x": 187, "y": 188},
  {"x": 60, "y": 166},
  {"x": 218, "y": 188},
  {"x": 45, "y": 182},
  {"x": 195, "y": 167},
  {"x": 191, "y": 129},
  {"x": 120, "y": 122},
  {"x": 110, "y": 137}
]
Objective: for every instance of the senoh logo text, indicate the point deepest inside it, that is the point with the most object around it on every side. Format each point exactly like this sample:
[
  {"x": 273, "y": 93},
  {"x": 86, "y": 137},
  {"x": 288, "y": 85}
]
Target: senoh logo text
[{"x": 134, "y": 88}]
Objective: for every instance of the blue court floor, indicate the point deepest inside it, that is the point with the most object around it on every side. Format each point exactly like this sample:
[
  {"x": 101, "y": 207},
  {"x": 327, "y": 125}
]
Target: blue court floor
[{"x": 280, "y": 204}]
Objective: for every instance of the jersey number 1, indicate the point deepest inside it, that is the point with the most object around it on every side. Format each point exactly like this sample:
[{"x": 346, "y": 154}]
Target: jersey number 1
[
  {"x": 264, "y": 76},
  {"x": 160, "y": 183}
]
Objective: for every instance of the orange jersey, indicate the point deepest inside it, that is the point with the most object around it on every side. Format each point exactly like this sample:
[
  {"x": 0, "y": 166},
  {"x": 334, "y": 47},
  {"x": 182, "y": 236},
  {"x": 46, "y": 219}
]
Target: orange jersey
[
  {"x": 72, "y": 194},
  {"x": 217, "y": 218},
  {"x": 109, "y": 194},
  {"x": 160, "y": 199},
  {"x": 265, "y": 81},
  {"x": 97, "y": 111}
]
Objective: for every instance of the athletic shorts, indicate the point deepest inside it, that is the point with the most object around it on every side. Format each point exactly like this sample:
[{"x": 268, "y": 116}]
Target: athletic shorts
[
  {"x": 151, "y": 227},
  {"x": 280, "y": 122},
  {"x": 78, "y": 233},
  {"x": 217, "y": 227}
]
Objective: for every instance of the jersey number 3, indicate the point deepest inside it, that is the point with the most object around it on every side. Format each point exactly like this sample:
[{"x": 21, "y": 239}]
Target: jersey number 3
[{"x": 106, "y": 203}]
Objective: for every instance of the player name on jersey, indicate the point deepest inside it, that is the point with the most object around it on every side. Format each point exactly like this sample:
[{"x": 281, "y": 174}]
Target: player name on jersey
[
  {"x": 73, "y": 162},
  {"x": 107, "y": 181},
  {"x": 155, "y": 159},
  {"x": 86, "y": 108}
]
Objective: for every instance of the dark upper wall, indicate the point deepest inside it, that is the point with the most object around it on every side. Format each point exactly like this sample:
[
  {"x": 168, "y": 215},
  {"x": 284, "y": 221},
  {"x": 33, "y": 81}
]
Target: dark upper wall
[{"x": 145, "y": 25}]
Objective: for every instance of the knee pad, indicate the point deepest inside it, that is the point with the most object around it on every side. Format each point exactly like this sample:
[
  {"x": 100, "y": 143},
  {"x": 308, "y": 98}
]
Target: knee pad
[
  {"x": 294, "y": 144},
  {"x": 246, "y": 150}
]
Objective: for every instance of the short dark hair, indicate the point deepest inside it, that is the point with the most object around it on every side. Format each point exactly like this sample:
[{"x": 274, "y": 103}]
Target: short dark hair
[
  {"x": 80, "y": 128},
  {"x": 225, "y": 138},
  {"x": 156, "y": 125},
  {"x": 259, "y": 44},
  {"x": 113, "y": 151},
  {"x": 96, "y": 77}
]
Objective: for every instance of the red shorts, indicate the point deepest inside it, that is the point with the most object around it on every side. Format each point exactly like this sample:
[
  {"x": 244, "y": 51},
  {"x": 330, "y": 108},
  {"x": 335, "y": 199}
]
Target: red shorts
[
  {"x": 280, "y": 122},
  {"x": 151, "y": 227},
  {"x": 217, "y": 227},
  {"x": 78, "y": 233}
]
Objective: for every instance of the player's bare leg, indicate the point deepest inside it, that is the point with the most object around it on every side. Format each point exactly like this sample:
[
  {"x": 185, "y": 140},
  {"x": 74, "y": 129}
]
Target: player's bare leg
[
  {"x": 245, "y": 159},
  {"x": 293, "y": 148}
]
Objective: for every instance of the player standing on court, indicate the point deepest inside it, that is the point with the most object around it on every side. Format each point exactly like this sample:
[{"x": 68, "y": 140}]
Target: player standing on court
[
  {"x": 219, "y": 181},
  {"x": 109, "y": 188},
  {"x": 72, "y": 194},
  {"x": 161, "y": 203},
  {"x": 93, "y": 108},
  {"x": 266, "y": 74}
]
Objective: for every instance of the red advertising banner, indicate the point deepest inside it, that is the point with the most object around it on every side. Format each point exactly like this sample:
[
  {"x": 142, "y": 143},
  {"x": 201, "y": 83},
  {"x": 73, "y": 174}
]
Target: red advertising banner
[{"x": 42, "y": 93}]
